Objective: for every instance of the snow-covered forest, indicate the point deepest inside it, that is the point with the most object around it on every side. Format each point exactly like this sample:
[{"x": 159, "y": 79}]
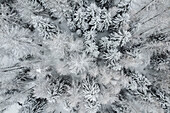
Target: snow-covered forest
[{"x": 84, "y": 56}]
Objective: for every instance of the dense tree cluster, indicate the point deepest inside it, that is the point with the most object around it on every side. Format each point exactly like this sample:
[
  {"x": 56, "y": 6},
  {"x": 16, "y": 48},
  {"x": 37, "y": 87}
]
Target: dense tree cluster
[{"x": 84, "y": 56}]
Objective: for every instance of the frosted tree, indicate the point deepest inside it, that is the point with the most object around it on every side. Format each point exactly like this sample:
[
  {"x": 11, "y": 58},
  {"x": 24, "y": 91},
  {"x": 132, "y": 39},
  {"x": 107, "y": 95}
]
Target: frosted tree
[{"x": 84, "y": 56}]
